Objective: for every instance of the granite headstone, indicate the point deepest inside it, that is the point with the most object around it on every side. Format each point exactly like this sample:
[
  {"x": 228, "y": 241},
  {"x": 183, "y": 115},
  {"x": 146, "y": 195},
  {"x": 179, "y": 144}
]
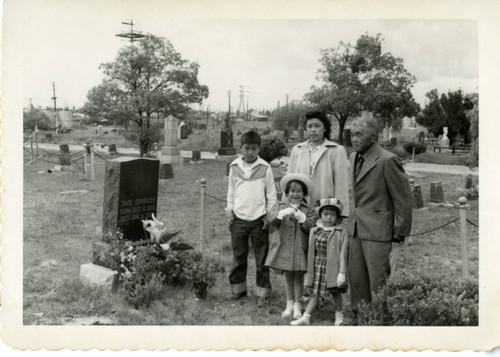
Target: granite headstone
[
  {"x": 437, "y": 194},
  {"x": 64, "y": 155},
  {"x": 130, "y": 195}
]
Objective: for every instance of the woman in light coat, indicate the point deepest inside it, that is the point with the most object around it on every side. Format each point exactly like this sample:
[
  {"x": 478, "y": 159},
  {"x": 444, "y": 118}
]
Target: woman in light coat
[{"x": 322, "y": 160}]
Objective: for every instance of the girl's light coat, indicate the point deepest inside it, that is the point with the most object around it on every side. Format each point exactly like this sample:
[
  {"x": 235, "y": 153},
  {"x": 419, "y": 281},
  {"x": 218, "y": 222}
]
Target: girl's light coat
[{"x": 288, "y": 240}]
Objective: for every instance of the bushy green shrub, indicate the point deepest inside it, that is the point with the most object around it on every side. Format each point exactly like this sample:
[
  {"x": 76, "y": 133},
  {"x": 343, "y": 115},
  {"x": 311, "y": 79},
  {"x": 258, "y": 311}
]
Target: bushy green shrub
[
  {"x": 272, "y": 148},
  {"x": 189, "y": 267},
  {"x": 423, "y": 301},
  {"x": 145, "y": 137},
  {"x": 419, "y": 147},
  {"x": 396, "y": 150},
  {"x": 144, "y": 283}
]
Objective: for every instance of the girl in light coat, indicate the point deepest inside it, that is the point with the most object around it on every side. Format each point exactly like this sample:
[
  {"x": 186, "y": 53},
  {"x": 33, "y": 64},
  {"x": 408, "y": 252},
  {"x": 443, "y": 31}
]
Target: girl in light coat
[{"x": 288, "y": 244}]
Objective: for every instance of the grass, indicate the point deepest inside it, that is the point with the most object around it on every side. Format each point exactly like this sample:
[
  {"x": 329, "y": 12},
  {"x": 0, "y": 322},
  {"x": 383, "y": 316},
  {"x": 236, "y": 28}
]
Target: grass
[{"x": 62, "y": 227}]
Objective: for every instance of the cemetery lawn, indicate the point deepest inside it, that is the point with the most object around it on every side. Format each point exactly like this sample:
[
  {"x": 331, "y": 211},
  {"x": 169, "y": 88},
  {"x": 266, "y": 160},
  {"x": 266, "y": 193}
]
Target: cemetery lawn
[{"x": 59, "y": 229}]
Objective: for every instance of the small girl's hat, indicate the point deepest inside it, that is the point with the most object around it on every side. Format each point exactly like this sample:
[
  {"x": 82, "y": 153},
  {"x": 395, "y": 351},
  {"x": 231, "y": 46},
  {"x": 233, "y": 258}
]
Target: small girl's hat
[
  {"x": 329, "y": 202},
  {"x": 296, "y": 177}
]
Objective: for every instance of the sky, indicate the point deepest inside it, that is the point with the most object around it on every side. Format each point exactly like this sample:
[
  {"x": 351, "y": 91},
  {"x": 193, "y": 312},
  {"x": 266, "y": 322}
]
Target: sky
[{"x": 269, "y": 58}]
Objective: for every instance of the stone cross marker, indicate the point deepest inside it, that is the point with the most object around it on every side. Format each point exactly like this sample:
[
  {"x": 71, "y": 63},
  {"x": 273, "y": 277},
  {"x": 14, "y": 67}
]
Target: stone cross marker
[{"x": 130, "y": 195}]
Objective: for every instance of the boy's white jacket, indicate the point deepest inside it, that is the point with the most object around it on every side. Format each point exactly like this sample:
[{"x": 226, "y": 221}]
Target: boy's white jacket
[{"x": 251, "y": 190}]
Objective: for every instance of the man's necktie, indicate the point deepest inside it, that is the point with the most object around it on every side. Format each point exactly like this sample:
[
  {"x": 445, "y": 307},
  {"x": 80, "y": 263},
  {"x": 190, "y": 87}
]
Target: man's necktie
[{"x": 358, "y": 165}]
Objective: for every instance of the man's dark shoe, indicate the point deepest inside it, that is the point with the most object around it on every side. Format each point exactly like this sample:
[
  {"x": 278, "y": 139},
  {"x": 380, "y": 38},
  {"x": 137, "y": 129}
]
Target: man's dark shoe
[{"x": 238, "y": 295}]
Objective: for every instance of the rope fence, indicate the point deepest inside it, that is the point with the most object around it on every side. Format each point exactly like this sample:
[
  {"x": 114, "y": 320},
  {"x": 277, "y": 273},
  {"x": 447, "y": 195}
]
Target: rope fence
[
  {"x": 472, "y": 223},
  {"x": 461, "y": 205}
]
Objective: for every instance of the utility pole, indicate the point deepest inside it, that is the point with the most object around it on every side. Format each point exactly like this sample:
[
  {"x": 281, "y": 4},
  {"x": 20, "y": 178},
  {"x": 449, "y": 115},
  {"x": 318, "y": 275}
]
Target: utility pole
[
  {"x": 55, "y": 105},
  {"x": 241, "y": 105},
  {"x": 229, "y": 97},
  {"x": 248, "y": 114},
  {"x": 278, "y": 104},
  {"x": 31, "y": 102},
  {"x": 132, "y": 36},
  {"x": 287, "y": 97}
]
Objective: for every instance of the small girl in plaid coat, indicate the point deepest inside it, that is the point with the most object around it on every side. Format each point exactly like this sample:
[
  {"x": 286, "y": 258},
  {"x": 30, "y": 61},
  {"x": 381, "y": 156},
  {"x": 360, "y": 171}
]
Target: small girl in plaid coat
[{"x": 327, "y": 260}]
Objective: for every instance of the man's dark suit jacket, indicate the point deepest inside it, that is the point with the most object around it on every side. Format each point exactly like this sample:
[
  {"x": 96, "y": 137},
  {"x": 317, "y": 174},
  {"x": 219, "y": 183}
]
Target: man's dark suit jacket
[{"x": 382, "y": 198}]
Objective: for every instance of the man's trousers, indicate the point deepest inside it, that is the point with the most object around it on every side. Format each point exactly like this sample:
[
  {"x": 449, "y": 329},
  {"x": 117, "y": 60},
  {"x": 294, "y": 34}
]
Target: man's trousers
[{"x": 369, "y": 268}]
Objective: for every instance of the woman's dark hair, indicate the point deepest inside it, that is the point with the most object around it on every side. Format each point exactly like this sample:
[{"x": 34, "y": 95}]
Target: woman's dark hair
[
  {"x": 289, "y": 185},
  {"x": 323, "y": 118}
]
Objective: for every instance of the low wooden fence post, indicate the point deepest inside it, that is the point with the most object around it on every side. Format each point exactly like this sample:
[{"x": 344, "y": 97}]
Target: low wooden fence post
[
  {"x": 463, "y": 236},
  {"x": 31, "y": 152},
  {"x": 203, "y": 183},
  {"x": 85, "y": 153},
  {"x": 92, "y": 154}
]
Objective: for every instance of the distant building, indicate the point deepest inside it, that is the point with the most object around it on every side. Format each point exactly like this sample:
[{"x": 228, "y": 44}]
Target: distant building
[{"x": 256, "y": 116}]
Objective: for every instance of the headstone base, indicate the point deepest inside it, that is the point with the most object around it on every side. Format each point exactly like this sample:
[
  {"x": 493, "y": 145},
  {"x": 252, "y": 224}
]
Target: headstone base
[
  {"x": 226, "y": 151},
  {"x": 95, "y": 276},
  {"x": 173, "y": 160},
  {"x": 170, "y": 151},
  {"x": 166, "y": 171},
  {"x": 64, "y": 168}
]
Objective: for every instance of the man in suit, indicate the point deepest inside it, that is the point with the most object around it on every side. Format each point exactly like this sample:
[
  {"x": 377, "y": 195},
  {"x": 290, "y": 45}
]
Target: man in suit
[{"x": 382, "y": 211}]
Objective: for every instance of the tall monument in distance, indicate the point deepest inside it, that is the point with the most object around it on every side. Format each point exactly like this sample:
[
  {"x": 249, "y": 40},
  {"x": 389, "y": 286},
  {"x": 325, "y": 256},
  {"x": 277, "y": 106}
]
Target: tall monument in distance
[
  {"x": 170, "y": 153},
  {"x": 226, "y": 138}
]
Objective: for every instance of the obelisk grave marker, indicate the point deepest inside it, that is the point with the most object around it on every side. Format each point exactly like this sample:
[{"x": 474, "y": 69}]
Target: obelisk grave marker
[{"x": 170, "y": 153}]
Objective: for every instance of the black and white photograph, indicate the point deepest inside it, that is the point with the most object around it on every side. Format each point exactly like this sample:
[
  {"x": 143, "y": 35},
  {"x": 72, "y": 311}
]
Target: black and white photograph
[{"x": 219, "y": 175}]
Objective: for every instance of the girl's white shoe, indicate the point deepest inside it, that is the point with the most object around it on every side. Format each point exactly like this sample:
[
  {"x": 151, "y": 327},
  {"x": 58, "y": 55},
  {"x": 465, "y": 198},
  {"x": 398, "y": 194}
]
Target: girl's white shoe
[
  {"x": 304, "y": 320},
  {"x": 339, "y": 318},
  {"x": 289, "y": 309},
  {"x": 297, "y": 314}
]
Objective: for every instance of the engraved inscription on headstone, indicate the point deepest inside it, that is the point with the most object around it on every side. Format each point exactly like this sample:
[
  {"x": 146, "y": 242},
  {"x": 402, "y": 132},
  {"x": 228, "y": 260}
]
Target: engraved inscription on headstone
[{"x": 130, "y": 195}]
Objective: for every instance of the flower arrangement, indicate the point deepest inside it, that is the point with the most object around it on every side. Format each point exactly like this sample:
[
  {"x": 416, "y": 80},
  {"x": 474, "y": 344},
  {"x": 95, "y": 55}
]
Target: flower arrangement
[{"x": 145, "y": 266}]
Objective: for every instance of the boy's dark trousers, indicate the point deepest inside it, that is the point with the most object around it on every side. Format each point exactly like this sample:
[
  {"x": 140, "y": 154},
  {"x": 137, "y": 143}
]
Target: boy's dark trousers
[{"x": 241, "y": 232}]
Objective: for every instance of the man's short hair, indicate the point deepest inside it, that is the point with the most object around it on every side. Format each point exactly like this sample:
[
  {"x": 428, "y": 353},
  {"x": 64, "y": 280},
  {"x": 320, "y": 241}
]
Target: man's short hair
[
  {"x": 250, "y": 138},
  {"x": 370, "y": 123}
]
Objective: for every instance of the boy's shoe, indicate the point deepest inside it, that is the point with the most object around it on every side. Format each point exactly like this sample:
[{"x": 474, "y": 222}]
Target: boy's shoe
[
  {"x": 238, "y": 295},
  {"x": 262, "y": 302}
]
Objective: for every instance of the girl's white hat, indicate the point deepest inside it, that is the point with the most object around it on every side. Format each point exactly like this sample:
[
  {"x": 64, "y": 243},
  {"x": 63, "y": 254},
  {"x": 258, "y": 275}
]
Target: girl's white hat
[
  {"x": 296, "y": 177},
  {"x": 335, "y": 202}
]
